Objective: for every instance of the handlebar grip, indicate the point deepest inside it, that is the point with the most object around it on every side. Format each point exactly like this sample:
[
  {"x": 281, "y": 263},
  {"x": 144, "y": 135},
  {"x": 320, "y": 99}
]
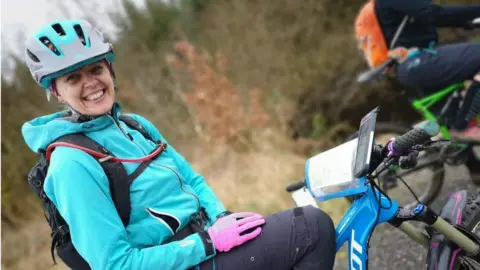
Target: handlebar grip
[
  {"x": 418, "y": 135},
  {"x": 295, "y": 186}
]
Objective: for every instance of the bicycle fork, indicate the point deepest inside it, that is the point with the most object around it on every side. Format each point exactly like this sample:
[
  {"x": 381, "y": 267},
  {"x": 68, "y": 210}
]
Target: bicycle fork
[{"x": 445, "y": 241}]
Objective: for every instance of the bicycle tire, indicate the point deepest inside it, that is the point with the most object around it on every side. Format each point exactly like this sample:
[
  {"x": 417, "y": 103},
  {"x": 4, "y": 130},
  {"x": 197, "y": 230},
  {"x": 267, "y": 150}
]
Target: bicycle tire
[
  {"x": 470, "y": 220},
  {"x": 435, "y": 184},
  {"x": 473, "y": 165}
]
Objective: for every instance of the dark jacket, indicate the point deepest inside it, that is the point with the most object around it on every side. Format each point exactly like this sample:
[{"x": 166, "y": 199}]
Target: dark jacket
[{"x": 424, "y": 19}]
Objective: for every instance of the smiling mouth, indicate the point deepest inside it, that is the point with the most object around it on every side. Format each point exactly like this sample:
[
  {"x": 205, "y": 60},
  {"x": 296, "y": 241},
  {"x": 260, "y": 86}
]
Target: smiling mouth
[{"x": 95, "y": 96}]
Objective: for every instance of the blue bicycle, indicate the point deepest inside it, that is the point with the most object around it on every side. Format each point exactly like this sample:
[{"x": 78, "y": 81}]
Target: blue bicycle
[{"x": 350, "y": 169}]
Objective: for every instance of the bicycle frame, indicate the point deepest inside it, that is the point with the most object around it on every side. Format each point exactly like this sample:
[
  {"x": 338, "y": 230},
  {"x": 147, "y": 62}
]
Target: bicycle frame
[
  {"x": 358, "y": 223},
  {"x": 361, "y": 218},
  {"x": 372, "y": 207},
  {"x": 423, "y": 105}
]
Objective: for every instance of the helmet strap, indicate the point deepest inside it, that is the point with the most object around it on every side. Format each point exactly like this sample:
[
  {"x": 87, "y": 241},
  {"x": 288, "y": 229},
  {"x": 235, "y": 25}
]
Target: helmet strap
[{"x": 49, "y": 94}]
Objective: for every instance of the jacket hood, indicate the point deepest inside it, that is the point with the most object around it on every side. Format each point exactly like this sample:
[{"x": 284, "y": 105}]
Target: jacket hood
[{"x": 42, "y": 131}]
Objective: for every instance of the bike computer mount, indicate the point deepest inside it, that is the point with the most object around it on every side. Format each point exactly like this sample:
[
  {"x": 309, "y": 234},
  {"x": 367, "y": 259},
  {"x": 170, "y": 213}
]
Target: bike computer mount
[
  {"x": 340, "y": 171},
  {"x": 363, "y": 154}
]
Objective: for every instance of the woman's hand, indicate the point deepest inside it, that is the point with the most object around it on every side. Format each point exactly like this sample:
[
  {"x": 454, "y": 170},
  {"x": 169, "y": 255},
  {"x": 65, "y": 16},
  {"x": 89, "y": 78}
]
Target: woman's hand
[
  {"x": 231, "y": 231},
  {"x": 401, "y": 53}
]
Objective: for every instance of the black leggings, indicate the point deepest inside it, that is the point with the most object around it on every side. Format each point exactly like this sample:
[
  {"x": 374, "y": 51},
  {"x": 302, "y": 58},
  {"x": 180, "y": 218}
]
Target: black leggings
[
  {"x": 446, "y": 65},
  {"x": 301, "y": 239}
]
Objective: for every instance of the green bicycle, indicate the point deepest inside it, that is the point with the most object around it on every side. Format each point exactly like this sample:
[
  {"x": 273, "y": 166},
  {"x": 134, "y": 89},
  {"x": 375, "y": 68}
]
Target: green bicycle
[{"x": 438, "y": 107}]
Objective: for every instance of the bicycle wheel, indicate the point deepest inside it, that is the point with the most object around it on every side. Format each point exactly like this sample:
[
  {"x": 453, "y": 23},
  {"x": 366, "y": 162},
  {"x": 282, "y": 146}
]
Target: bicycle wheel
[
  {"x": 471, "y": 221},
  {"x": 473, "y": 164},
  {"x": 425, "y": 180}
]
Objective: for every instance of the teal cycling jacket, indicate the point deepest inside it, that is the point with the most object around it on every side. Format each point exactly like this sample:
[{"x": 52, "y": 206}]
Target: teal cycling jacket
[{"x": 79, "y": 188}]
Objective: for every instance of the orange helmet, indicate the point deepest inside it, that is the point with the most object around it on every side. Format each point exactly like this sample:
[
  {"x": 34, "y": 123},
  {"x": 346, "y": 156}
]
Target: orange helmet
[{"x": 369, "y": 35}]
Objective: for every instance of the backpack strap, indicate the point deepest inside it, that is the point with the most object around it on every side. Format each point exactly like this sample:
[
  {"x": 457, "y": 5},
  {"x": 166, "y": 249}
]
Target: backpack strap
[
  {"x": 119, "y": 184},
  {"x": 134, "y": 124},
  {"x": 116, "y": 173},
  {"x": 103, "y": 154}
]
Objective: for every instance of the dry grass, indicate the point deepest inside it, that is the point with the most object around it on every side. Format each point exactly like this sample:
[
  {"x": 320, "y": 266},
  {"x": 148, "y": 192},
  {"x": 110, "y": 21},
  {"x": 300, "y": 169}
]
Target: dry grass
[
  {"x": 216, "y": 104},
  {"x": 29, "y": 247},
  {"x": 257, "y": 180}
]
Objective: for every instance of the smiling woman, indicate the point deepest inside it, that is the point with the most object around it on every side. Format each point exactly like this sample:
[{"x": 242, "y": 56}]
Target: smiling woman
[
  {"x": 89, "y": 90},
  {"x": 112, "y": 180}
]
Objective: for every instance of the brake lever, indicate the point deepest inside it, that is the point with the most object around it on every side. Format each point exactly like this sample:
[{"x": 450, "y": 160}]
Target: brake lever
[
  {"x": 408, "y": 161},
  {"x": 441, "y": 143}
]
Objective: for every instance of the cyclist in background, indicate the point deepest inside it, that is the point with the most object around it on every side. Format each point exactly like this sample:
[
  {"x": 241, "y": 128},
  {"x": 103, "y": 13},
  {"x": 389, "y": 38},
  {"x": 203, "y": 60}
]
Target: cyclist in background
[{"x": 422, "y": 64}]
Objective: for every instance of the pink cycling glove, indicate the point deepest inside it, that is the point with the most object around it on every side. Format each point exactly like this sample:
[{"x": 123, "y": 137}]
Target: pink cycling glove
[{"x": 226, "y": 232}]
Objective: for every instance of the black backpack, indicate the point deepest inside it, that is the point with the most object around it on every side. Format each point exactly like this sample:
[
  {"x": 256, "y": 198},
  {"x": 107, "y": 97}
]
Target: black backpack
[{"x": 118, "y": 178}]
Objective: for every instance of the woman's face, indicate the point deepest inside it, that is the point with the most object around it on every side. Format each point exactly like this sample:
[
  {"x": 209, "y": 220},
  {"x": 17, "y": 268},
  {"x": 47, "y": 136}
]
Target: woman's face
[{"x": 88, "y": 90}]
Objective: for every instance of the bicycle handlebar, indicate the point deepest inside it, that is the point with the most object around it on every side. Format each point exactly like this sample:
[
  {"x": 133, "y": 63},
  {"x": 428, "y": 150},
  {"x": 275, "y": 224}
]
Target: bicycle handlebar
[
  {"x": 295, "y": 186},
  {"x": 418, "y": 135},
  {"x": 398, "y": 146},
  {"x": 373, "y": 73}
]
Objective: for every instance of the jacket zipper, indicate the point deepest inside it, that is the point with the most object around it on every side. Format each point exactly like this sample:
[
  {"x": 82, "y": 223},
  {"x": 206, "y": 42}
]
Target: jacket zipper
[
  {"x": 117, "y": 124},
  {"x": 161, "y": 166},
  {"x": 181, "y": 183}
]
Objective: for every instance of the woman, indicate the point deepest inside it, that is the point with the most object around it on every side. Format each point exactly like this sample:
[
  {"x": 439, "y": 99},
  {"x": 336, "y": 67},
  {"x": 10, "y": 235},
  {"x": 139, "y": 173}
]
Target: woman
[{"x": 72, "y": 61}]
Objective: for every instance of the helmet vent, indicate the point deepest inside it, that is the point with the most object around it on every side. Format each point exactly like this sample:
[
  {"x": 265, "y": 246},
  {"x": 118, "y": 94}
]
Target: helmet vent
[
  {"x": 32, "y": 56},
  {"x": 80, "y": 33},
  {"x": 59, "y": 29},
  {"x": 46, "y": 41}
]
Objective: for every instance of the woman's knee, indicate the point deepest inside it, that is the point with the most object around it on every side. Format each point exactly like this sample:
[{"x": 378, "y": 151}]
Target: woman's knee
[
  {"x": 318, "y": 214},
  {"x": 324, "y": 224}
]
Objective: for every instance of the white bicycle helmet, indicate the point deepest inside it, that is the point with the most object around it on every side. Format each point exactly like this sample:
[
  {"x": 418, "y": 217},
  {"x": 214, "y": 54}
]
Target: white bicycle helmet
[{"x": 63, "y": 46}]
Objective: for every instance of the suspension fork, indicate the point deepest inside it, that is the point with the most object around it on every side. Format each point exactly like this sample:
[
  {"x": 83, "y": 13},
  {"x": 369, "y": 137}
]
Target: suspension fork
[{"x": 428, "y": 216}]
